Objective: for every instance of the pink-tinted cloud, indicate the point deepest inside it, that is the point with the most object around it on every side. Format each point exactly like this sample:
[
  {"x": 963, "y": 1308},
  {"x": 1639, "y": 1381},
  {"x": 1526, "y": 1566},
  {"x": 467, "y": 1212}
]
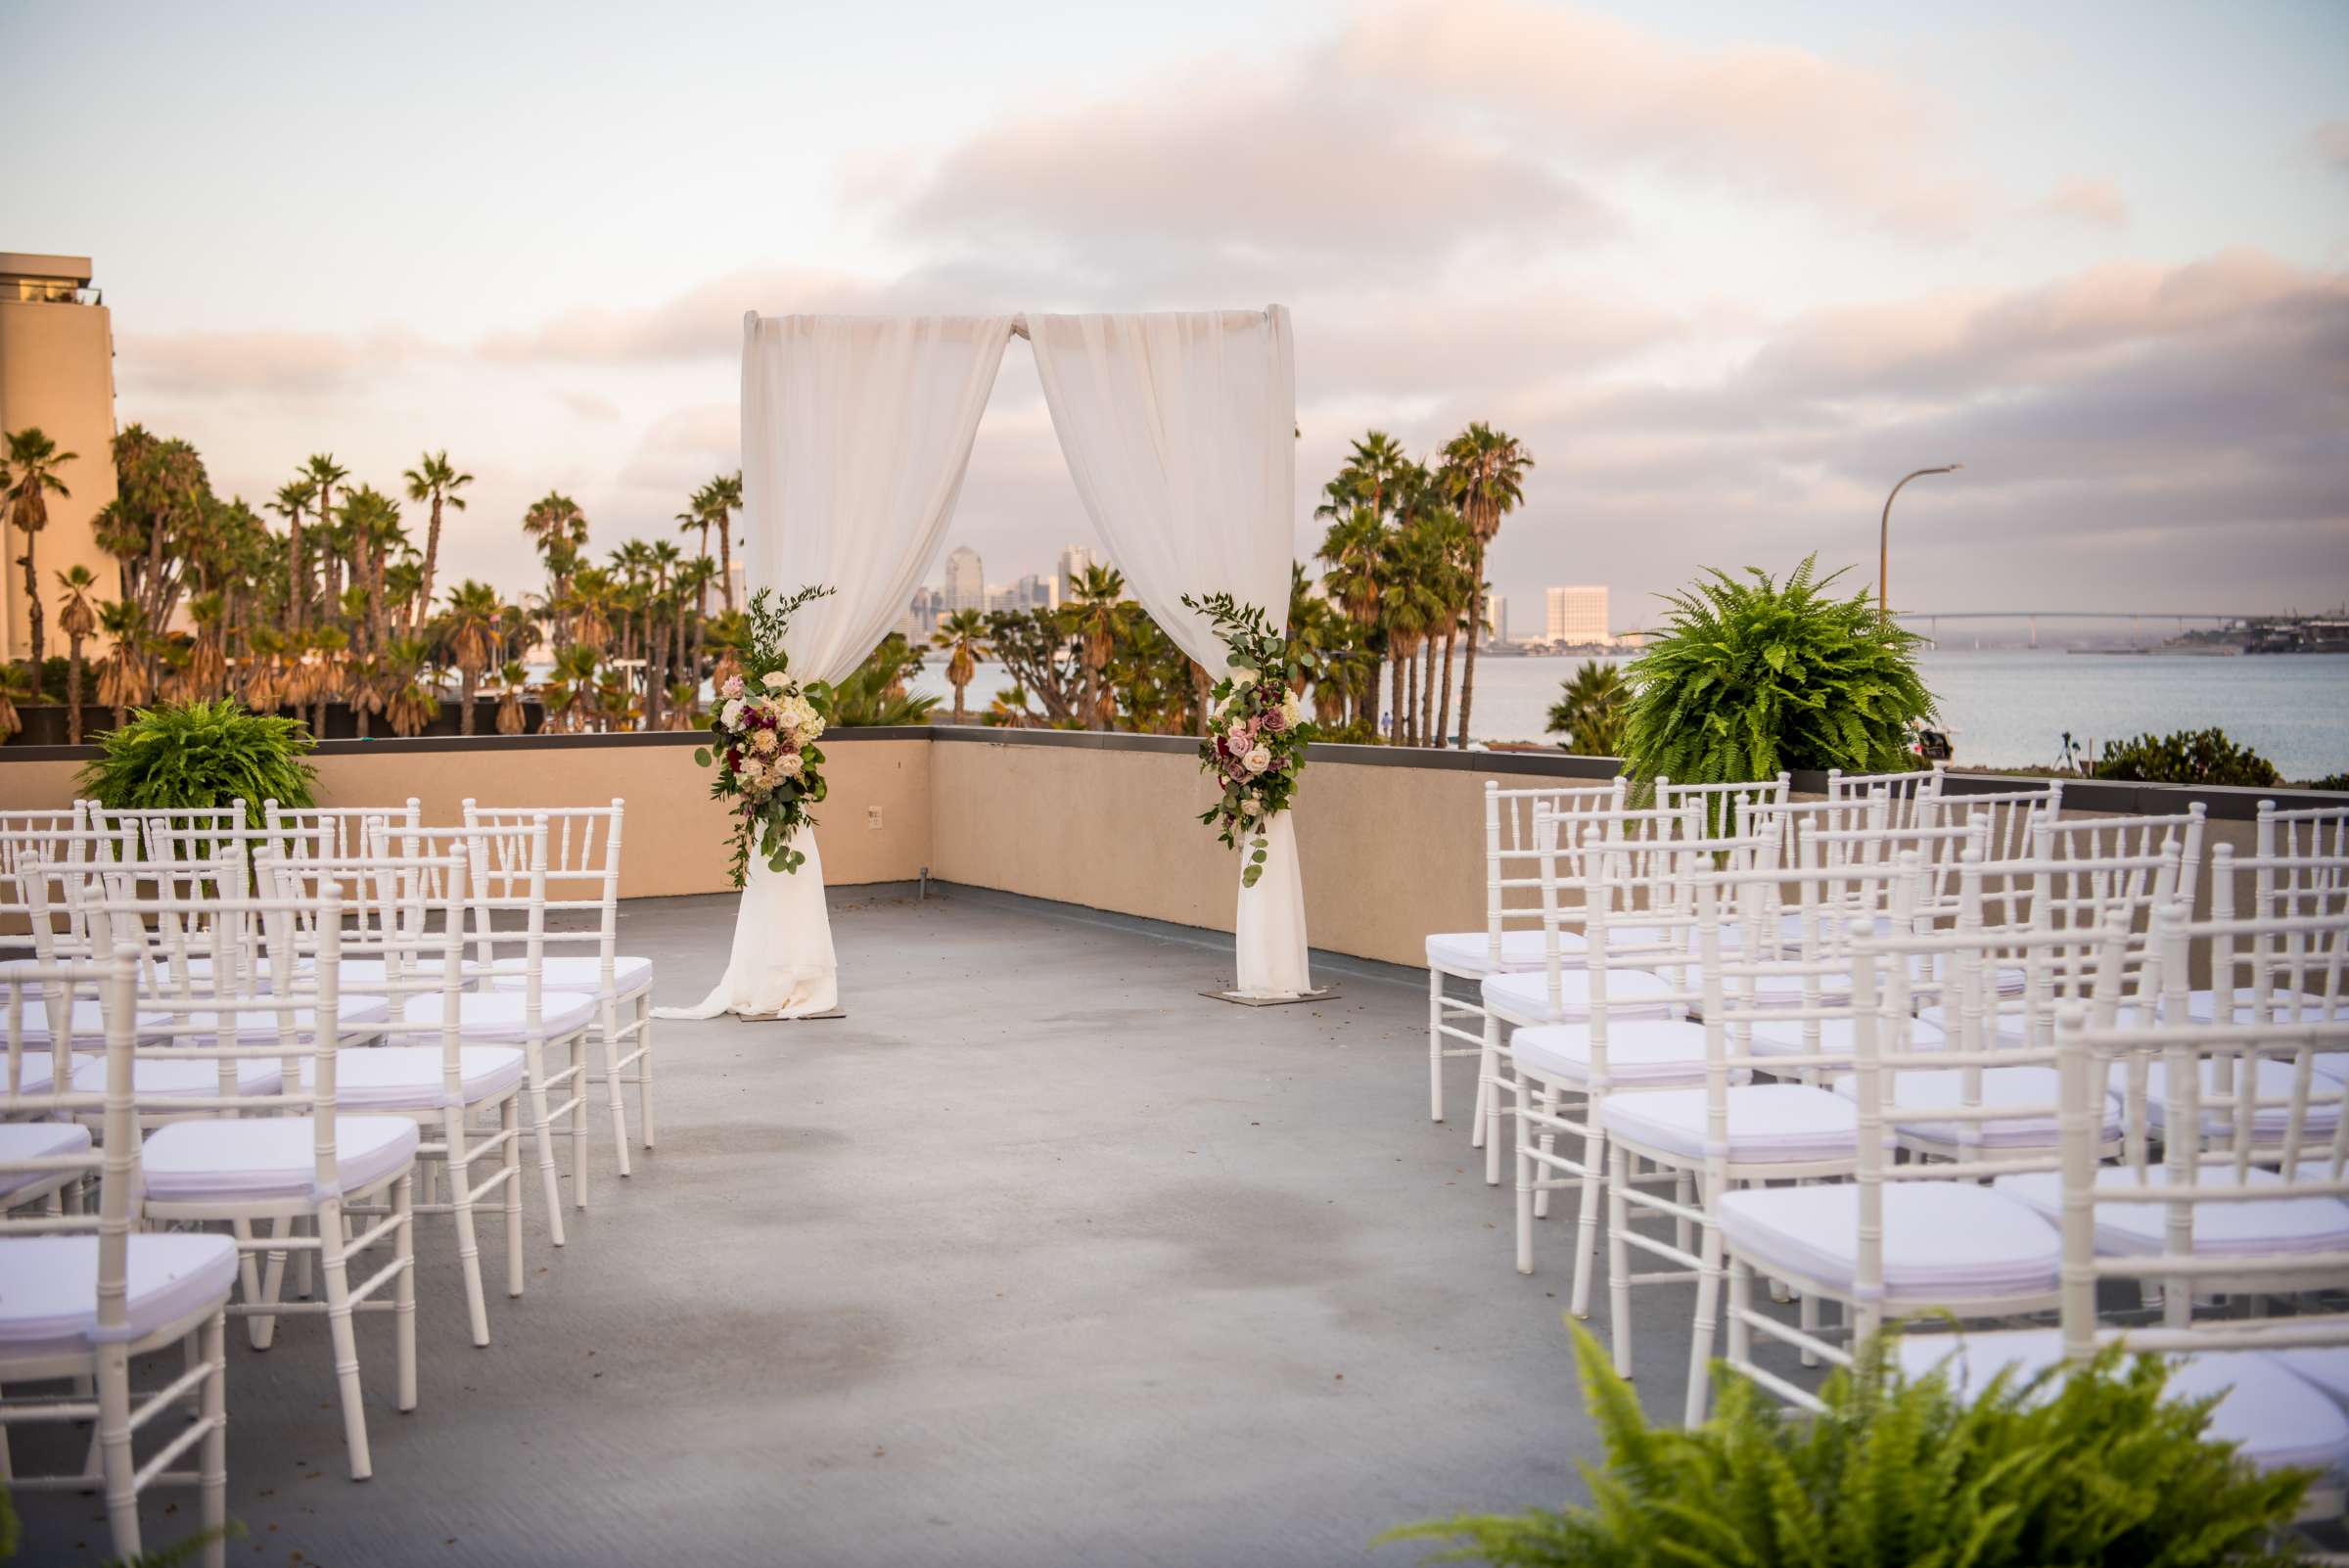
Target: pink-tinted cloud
[
  {"x": 1776, "y": 119},
  {"x": 703, "y": 322},
  {"x": 2330, "y": 143},
  {"x": 259, "y": 362},
  {"x": 1236, "y": 169},
  {"x": 2097, "y": 201}
]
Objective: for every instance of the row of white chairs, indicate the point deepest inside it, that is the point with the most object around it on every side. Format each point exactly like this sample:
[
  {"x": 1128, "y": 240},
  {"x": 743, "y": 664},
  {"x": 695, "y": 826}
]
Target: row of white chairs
[
  {"x": 1732, "y": 1021},
  {"x": 326, "y": 1018}
]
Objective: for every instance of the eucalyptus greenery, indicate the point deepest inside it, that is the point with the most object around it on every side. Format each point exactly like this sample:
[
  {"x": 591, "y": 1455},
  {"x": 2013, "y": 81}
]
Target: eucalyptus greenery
[
  {"x": 1751, "y": 677},
  {"x": 185, "y": 756},
  {"x": 2087, "y": 1468}
]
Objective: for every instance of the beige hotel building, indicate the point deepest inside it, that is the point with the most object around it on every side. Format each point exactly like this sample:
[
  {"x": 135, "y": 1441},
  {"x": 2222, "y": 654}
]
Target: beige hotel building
[{"x": 57, "y": 372}]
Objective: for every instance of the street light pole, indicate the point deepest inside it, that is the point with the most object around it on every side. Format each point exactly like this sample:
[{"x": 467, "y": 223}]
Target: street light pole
[{"x": 1884, "y": 540}]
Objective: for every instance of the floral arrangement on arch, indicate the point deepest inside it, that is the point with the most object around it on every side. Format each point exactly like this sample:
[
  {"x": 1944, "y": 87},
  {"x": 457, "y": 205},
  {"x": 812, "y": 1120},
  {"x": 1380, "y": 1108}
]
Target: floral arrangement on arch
[
  {"x": 1255, "y": 743},
  {"x": 765, "y": 729}
]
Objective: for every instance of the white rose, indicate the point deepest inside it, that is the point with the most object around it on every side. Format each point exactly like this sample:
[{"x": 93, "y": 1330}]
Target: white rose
[
  {"x": 774, "y": 681},
  {"x": 731, "y": 715},
  {"x": 1258, "y": 760},
  {"x": 788, "y": 765}
]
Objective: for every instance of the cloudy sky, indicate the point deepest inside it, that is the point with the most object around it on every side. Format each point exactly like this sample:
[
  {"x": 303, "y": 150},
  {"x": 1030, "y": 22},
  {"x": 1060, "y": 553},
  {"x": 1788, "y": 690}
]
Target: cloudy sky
[{"x": 1727, "y": 271}]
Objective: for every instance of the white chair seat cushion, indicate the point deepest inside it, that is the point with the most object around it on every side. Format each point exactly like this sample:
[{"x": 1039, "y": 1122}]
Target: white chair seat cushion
[
  {"x": 629, "y": 975},
  {"x": 1768, "y": 1123},
  {"x": 2324, "y": 1365},
  {"x": 270, "y": 1157},
  {"x": 1944, "y": 1241},
  {"x": 49, "y": 1287},
  {"x": 1998, "y": 1028},
  {"x": 368, "y": 973},
  {"x": 2138, "y": 1229},
  {"x": 499, "y": 1017},
  {"x": 2273, "y": 1083},
  {"x": 1631, "y": 993},
  {"x": 1944, "y": 1089},
  {"x": 1743, "y": 993},
  {"x": 261, "y": 1024},
  {"x": 2274, "y": 1416},
  {"x": 37, "y": 1140},
  {"x": 156, "y": 1079},
  {"x": 1837, "y": 1036},
  {"x": 409, "y": 1077},
  {"x": 36, "y": 1068},
  {"x": 86, "y": 1026},
  {"x": 1470, "y": 953},
  {"x": 1641, "y": 1052}
]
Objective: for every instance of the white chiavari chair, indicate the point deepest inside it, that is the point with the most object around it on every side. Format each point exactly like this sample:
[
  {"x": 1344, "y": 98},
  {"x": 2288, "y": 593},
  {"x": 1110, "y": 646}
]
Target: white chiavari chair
[
  {"x": 2263, "y": 979},
  {"x": 538, "y": 1019},
  {"x": 1720, "y": 803},
  {"x": 1511, "y": 937},
  {"x": 84, "y": 1294},
  {"x": 333, "y": 832},
  {"x": 144, "y": 822},
  {"x": 1725, "y": 1130},
  {"x": 584, "y": 880},
  {"x": 1903, "y": 790},
  {"x": 1903, "y": 1239},
  {"x": 414, "y": 959},
  {"x": 2010, "y": 815},
  {"x": 1616, "y": 1020},
  {"x": 301, "y": 1166},
  {"x": 2320, "y": 831},
  {"x": 2256, "y": 1210}
]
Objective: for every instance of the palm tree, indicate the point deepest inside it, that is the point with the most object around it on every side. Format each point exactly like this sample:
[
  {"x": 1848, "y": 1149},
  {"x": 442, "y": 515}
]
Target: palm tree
[
  {"x": 469, "y": 628},
  {"x": 1484, "y": 475},
  {"x": 122, "y": 679},
  {"x": 1355, "y": 551},
  {"x": 323, "y": 475},
  {"x": 436, "y": 479},
  {"x": 510, "y": 717},
  {"x": 1591, "y": 711},
  {"x": 14, "y": 688},
  {"x": 555, "y": 523},
  {"x": 1101, "y": 615},
  {"x": 78, "y": 618},
  {"x": 371, "y": 522},
  {"x": 724, "y": 495},
  {"x": 291, "y": 501},
  {"x": 27, "y": 478},
  {"x": 962, "y": 633}
]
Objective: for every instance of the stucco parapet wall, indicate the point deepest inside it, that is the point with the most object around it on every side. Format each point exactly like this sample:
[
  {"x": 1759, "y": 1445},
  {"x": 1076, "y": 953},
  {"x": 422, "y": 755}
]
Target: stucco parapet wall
[{"x": 2080, "y": 794}]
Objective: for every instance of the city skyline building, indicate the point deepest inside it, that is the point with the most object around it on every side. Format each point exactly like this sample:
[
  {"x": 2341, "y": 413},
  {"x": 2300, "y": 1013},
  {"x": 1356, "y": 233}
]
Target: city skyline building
[
  {"x": 1071, "y": 568},
  {"x": 1578, "y": 616},
  {"x": 966, "y": 581}
]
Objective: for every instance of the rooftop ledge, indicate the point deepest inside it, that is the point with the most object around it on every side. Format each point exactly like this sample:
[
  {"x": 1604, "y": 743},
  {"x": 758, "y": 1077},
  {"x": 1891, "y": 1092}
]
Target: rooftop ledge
[{"x": 1391, "y": 838}]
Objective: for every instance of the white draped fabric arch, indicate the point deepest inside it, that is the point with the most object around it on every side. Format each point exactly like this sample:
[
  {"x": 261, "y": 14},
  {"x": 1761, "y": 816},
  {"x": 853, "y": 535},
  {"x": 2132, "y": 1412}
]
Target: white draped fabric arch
[{"x": 1179, "y": 429}]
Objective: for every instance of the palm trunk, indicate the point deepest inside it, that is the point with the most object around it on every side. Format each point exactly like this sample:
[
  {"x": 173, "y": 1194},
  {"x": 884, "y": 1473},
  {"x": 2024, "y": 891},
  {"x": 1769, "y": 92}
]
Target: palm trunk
[
  {"x": 1476, "y": 626},
  {"x": 465, "y": 683},
  {"x": 297, "y": 582},
  {"x": 1427, "y": 696},
  {"x": 432, "y": 558},
  {"x": 725, "y": 563},
  {"x": 1397, "y": 706},
  {"x": 73, "y": 693},
  {"x": 1444, "y": 714},
  {"x": 33, "y": 614}
]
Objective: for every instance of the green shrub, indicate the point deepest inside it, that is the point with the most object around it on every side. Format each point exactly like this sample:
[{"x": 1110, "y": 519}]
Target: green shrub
[
  {"x": 1749, "y": 678},
  {"x": 182, "y": 755},
  {"x": 2090, "y": 1470},
  {"x": 2331, "y": 781},
  {"x": 1591, "y": 710},
  {"x": 2187, "y": 757}
]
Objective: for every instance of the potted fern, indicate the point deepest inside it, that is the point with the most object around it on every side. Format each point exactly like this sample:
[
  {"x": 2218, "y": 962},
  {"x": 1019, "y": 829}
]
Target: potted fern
[
  {"x": 2090, "y": 1468},
  {"x": 1749, "y": 677},
  {"x": 187, "y": 755}
]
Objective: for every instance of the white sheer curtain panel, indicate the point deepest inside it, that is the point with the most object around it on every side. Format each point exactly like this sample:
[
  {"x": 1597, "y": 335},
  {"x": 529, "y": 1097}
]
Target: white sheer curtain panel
[
  {"x": 1179, "y": 429},
  {"x": 855, "y": 433}
]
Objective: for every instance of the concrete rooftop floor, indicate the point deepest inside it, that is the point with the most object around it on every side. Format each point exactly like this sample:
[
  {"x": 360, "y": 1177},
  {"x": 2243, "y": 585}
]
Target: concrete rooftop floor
[{"x": 1036, "y": 1258}]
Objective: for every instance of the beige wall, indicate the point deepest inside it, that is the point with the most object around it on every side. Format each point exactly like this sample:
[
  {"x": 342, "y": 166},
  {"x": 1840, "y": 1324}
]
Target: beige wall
[
  {"x": 1390, "y": 852},
  {"x": 57, "y": 371},
  {"x": 673, "y": 834}
]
